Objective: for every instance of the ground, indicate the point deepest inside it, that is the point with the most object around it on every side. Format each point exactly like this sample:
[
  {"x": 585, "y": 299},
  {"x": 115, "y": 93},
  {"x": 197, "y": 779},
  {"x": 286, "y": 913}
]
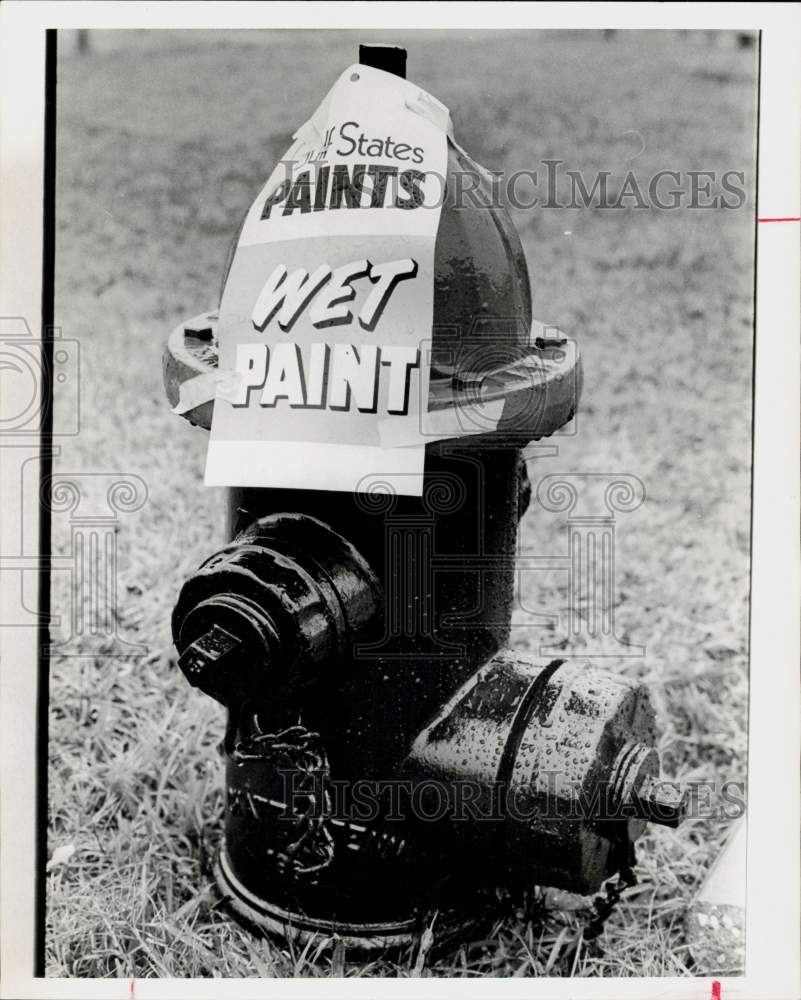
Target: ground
[{"x": 162, "y": 142}]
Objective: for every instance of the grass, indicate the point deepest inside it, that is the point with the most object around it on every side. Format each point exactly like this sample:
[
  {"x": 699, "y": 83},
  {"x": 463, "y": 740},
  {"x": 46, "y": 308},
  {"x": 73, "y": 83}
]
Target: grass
[{"x": 162, "y": 142}]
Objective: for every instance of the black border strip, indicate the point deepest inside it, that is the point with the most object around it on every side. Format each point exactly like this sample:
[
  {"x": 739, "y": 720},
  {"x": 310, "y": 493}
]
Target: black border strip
[
  {"x": 753, "y": 449},
  {"x": 45, "y": 470}
]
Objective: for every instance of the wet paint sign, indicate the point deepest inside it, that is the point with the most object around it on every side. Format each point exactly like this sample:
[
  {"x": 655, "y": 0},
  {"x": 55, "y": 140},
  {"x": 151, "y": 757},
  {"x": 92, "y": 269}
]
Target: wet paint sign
[{"x": 328, "y": 306}]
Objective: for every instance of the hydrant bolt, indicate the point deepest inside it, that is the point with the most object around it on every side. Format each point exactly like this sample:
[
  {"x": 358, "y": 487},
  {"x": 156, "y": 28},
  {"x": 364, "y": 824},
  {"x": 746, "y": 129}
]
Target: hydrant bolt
[
  {"x": 207, "y": 654},
  {"x": 661, "y": 802}
]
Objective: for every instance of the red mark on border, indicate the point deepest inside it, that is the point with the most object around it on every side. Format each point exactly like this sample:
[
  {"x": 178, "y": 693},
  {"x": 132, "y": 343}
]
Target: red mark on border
[
  {"x": 133, "y": 990},
  {"x": 715, "y": 990},
  {"x": 786, "y": 218}
]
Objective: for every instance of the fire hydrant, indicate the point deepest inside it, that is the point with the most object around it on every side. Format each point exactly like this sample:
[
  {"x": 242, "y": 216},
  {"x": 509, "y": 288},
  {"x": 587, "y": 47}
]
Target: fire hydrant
[{"x": 386, "y": 754}]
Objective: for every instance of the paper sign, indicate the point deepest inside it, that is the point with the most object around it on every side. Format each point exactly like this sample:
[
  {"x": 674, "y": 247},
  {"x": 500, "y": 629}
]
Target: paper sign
[{"x": 329, "y": 300}]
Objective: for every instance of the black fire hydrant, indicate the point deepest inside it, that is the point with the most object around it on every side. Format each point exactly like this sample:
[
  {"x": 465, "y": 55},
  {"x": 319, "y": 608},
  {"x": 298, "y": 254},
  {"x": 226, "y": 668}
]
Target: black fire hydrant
[{"x": 386, "y": 754}]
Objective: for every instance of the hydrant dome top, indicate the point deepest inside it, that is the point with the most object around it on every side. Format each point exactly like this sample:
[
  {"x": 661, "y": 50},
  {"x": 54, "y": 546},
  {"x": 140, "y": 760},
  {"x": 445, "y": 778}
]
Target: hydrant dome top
[
  {"x": 482, "y": 327},
  {"x": 481, "y": 282}
]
